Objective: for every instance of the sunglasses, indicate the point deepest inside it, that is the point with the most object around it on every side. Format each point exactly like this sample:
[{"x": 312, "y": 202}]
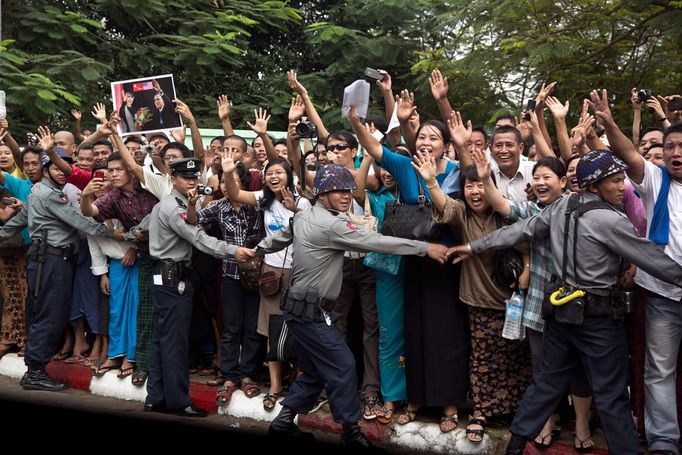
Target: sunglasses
[{"x": 339, "y": 147}]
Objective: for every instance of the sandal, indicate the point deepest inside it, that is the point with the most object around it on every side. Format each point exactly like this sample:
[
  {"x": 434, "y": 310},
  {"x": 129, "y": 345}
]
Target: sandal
[
  {"x": 583, "y": 445},
  {"x": 270, "y": 400},
  {"x": 101, "y": 370},
  {"x": 225, "y": 394},
  {"x": 139, "y": 377},
  {"x": 541, "y": 444},
  {"x": 385, "y": 415},
  {"x": 406, "y": 417},
  {"x": 476, "y": 432},
  {"x": 249, "y": 388},
  {"x": 448, "y": 423},
  {"x": 61, "y": 356}
]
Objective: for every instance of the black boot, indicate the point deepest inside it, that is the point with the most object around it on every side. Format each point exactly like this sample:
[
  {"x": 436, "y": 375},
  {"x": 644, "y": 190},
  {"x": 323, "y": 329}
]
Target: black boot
[
  {"x": 516, "y": 445},
  {"x": 36, "y": 378},
  {"x": 353, "y": 438},
  {"x": 283, "y": 426}
]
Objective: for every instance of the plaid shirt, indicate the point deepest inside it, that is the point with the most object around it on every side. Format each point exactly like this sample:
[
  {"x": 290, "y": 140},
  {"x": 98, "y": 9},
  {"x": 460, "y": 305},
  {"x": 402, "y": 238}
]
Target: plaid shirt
[
  {"x": 241, "y": 228},
  {"x": 541, "y": 267},
  {"x": 128, "y": 209}
]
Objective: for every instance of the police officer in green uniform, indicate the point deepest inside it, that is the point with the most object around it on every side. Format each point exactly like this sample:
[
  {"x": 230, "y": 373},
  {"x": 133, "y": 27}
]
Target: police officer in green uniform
[
  {"x": 54, "y": 225},
  {"x": 170, "y": 245},
  {"x": 583, "y": 310},
  {"x": 321, "y": 235}
]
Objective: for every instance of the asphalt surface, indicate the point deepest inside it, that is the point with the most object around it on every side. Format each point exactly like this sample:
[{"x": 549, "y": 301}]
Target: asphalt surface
[{"x": 50, "y": 419}]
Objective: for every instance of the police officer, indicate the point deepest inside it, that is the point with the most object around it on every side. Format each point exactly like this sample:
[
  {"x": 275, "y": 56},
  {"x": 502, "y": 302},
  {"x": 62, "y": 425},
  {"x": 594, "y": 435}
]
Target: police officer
[
  {"x": 584, "y": 313},
  {"x": 170, "y": 245},
  {"x": 54, "y": 225},
  {"x": 320, "y": 236}
]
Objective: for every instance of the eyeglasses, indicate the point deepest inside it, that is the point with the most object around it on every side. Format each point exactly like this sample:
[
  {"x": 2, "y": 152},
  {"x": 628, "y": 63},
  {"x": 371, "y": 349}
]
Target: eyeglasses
[
  {"x": 339, "y": 147},
  {"x": 274, "y": 173}
]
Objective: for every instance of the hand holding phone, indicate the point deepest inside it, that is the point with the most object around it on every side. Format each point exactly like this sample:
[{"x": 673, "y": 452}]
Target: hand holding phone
[
  {"x": 530, "y": 107},
  {"x": 99, "y": 174}
]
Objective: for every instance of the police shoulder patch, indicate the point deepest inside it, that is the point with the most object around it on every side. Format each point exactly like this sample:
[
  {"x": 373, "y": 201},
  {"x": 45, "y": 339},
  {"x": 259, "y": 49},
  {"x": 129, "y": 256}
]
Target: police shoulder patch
[{"x": 183, "y": 216}]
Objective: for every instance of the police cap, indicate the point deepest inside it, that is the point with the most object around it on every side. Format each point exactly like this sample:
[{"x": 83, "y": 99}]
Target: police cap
[{"x": 186, "y": 167}]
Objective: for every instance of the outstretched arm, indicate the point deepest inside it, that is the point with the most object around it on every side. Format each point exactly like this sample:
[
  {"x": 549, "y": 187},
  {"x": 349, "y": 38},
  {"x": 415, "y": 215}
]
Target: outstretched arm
[
  {"x": 224, "y": 114},
  {"x": 314, "y": 117}
]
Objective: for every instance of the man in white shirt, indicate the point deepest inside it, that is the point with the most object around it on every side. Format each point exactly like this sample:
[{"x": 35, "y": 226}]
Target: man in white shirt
[{"x": 511, "y": 173}]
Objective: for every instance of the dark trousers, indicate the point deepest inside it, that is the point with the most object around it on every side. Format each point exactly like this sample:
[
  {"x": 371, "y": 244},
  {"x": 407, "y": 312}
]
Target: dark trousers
[
  {"x": 360, "y": 279},
  {"x": 599, "y": 343},
  {"x": 240, "y": 320},
  {"x": 168, "y": 382},
  {"x": 47, "y": 315},
  {"x": 326, "y": 362}
]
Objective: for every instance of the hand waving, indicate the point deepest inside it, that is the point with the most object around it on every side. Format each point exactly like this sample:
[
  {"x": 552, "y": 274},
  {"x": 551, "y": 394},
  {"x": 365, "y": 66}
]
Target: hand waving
[
  {"x": 46, "y": 138},
  {"x": 461, "y": 135},
  {"x": 405, "y": 105},
  {"x": 223, "y": 107},
  {"x": 439, "y": 85},
  {"x": 260, "y": 125},
  {"x": 294, "y": 84},
  {"x": 425, "y": 165},
  {"x": 297, "y": 109},
  {"x": 100, "y": 113}
]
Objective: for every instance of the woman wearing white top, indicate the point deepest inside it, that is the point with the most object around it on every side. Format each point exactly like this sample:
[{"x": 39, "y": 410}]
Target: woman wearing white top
[{"x": 278, "y": 202}]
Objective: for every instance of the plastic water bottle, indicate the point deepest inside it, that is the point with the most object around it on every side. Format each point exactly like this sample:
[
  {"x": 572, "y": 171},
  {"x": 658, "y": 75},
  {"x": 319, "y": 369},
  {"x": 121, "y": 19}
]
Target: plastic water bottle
[
  {"x": 513, "y": 327},
  {"x": 3, "y": 109}
]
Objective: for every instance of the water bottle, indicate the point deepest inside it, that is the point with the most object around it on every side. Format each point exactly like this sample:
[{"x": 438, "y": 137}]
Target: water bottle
[
  {"x": 513, "y": 327},
  {"x": 3, "y": 109}
]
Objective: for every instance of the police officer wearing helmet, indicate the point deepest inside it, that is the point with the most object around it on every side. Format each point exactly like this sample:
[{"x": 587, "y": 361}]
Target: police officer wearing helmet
[
  {"x": 170, "y": 245},
  {"x": 583, "y": 310},
  {"x": 54, "y": 225},
  {"x": 320, "y": 236}
]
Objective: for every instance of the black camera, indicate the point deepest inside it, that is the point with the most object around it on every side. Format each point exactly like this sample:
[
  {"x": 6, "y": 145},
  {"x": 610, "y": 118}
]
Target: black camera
[
  {"x": 305, "y": 129},
  {"x": 644, "y": 94},
  {"x": 204, "y": 190},
  {"x": 147, "y": 149}
]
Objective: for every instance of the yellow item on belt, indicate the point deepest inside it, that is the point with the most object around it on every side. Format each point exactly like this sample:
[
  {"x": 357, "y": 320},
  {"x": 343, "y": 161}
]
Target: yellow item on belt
[{"x": 556, "y": 301}]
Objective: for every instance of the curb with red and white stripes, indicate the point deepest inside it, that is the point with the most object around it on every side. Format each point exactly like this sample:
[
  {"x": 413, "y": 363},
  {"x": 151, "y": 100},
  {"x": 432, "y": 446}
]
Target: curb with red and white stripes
[{"x": 418, "y": 436}]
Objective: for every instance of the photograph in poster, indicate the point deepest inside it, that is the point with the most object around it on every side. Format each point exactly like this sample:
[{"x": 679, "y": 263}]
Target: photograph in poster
[{"x": 145, "y": 105}]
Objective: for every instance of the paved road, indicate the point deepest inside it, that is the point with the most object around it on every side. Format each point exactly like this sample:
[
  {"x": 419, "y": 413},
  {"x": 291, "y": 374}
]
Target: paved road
[{"x": 78, "y": 421}]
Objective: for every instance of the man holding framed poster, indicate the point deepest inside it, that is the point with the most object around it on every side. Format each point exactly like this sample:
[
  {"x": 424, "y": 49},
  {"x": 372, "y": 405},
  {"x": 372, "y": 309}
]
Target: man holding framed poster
[{"x": 145, "y": 104}]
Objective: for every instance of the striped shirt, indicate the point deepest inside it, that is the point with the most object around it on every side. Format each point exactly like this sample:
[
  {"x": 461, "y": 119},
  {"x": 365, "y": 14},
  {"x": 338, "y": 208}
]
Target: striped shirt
[{"x": 237, "y": 227}]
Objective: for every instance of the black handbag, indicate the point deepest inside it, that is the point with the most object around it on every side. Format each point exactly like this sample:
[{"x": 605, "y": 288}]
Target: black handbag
[
  {"x": 507, "y": 267},
  {"x": 281, "y": 341},
  {"x": 409, "y": 221}
]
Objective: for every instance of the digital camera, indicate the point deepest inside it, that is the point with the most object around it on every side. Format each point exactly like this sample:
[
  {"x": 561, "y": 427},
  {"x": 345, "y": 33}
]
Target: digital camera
[
  {"x": 644, "y": 94},
  {"x": 204, "y": 190},
  {"x": 305, "y": 129},
  {"x": 147, "y": 149}
]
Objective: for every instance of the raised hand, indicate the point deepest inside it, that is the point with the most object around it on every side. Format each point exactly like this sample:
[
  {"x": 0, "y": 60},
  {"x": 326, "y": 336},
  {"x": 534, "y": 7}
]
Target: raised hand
[
  {"x": 437, "y": 252},
  {"x": 558, "y": 110},
  {"x": 545, "y": 91},
  {"x": 3, "y": 133},
  {"x": 425, "y": 165},
  {"x": 178, "y": 134},
  {"x": 297, "y": 109},
  {"x": 100, "y": 113},
  {"x": 482, "y": 163},
  {"x": 294, "y": 84},
  {"x": 600, "y": 105},
  {"x": 655, "y": 105},
  {"x": 353, "y": 116},
  {"x": 76, "y": 114},
  {"x": 109, "y": 128},
  {"x": 46, "y": 138},
  {"x": 223, "y": 107},
  {"x": 260, "y": 125},
  {"x": 675, "y": 116},
  {"x": 385, "y": 85},
  {"x": 288, "y": 199},
  {"x": 182, "y": 109},
  {"x": 193, "y": 196},
  {"x": 439, "y": 85},
  {"x": 93, "y": 187},
  {"x": 405, "y": 105},
  {"x": 227, "y": 163},
  {"x": 156, "y": 85},
  {"x": 461, "y": 135}
]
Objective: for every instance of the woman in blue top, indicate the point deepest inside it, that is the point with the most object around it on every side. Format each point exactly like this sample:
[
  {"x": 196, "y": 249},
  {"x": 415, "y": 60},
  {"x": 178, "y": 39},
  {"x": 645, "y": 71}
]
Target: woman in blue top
[{"x": 436, "y": 323}]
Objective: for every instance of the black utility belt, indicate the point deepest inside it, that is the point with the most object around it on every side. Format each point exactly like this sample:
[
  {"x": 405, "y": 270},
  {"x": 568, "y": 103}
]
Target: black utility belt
[
  {"x": 171, "y": 271},
  {"x": 572, "y": 305},
  {"x": 67, "y": 252},
  {"x": 305, "y": 303}
]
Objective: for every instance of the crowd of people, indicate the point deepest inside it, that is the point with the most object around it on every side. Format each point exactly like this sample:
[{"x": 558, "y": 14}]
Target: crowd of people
[{"x": 143, "y": 256}]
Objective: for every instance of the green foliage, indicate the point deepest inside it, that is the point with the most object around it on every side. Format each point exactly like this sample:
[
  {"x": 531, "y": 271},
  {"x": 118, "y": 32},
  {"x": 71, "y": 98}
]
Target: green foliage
[{"x": 57, "y": 55}]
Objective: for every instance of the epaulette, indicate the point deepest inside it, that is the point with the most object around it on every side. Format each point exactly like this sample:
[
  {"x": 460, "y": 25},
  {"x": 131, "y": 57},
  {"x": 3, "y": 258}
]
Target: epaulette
[{"x": 180, "y": 203}]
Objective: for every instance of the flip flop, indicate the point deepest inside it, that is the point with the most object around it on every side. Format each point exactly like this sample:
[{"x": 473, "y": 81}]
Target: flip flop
[
  {"x": 100, "y": 370},
  {"x": 61, "y": 356},
  {"x": 125, "y": 372},
  {"x": 139, "y": 377}
]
